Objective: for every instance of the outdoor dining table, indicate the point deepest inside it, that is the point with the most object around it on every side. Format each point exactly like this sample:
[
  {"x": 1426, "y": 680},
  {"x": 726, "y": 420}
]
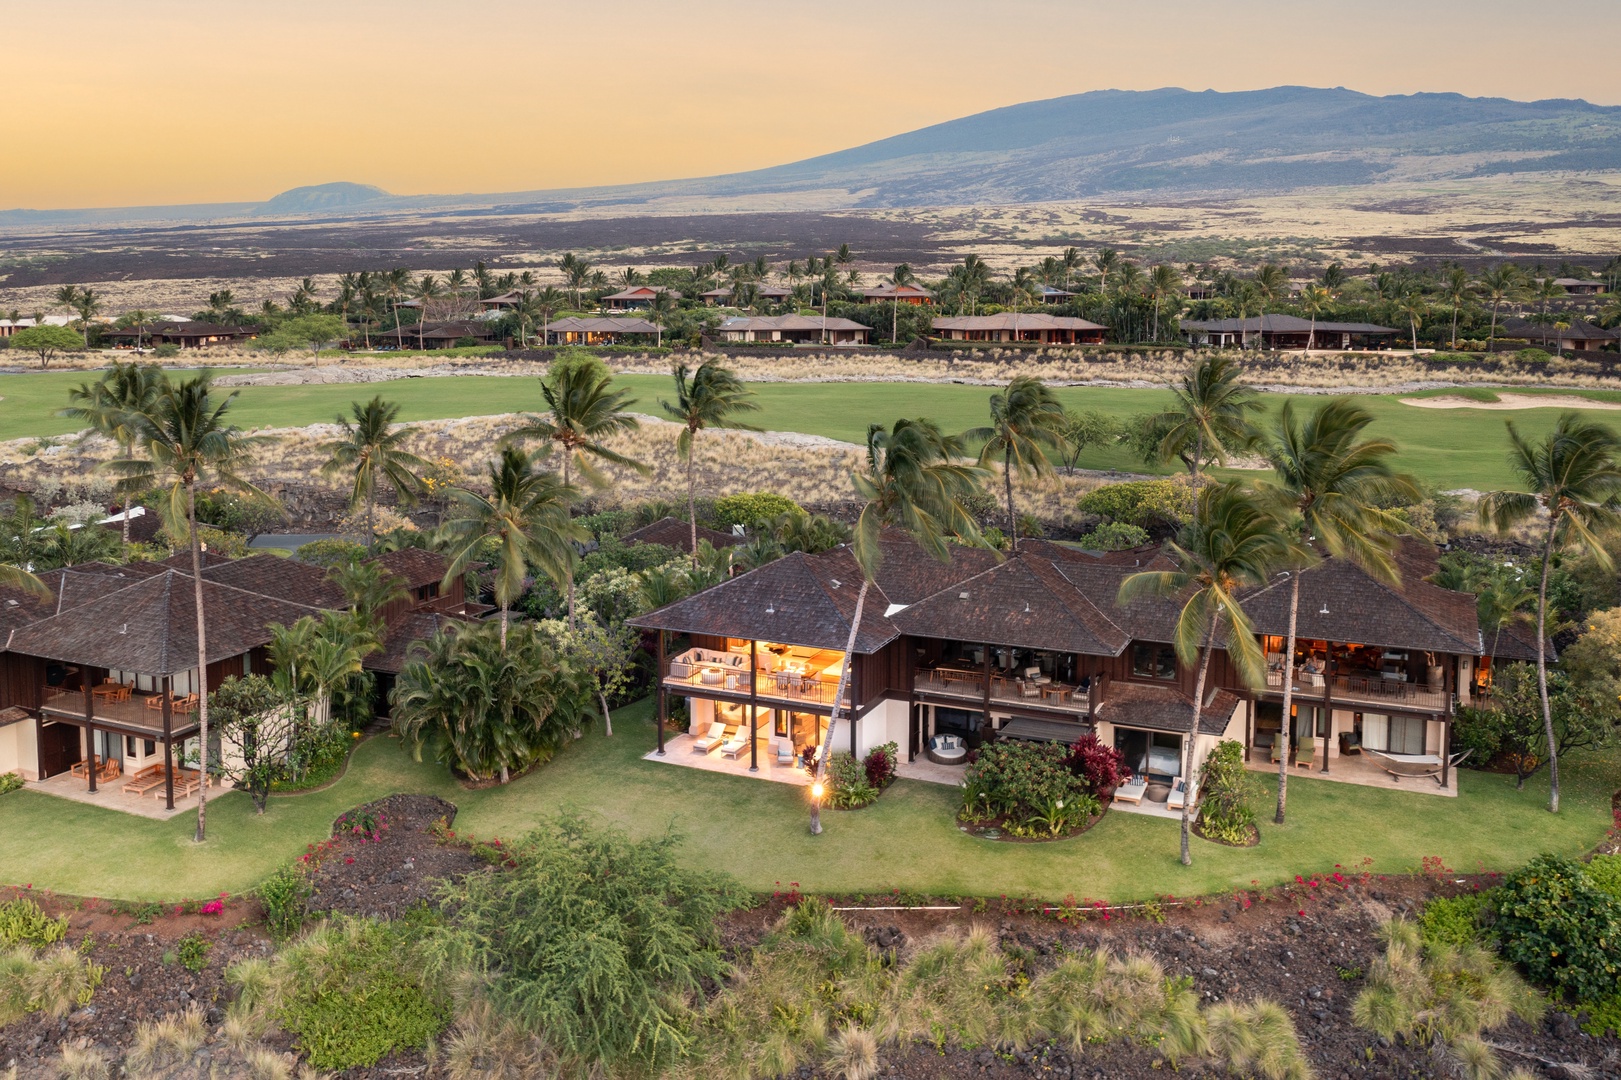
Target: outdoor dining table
[{"x": 1056, "y": 691}]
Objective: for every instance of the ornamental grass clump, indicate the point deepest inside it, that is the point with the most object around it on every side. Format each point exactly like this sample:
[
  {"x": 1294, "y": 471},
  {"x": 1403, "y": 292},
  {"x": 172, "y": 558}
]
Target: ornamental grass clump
[
  {"x": 167, "y": 1042},
  {"x": 1029, "y": 787}
]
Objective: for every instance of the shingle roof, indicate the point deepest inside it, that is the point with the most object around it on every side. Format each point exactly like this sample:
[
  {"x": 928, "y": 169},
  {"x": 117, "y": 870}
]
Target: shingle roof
[
  {"x": 675, "y": 533},
  {"x": 151, "y": 626},
  {"x": 411, "y": 628},
  {"x": 1164, "y": 708},
  {"x": 285, "y": 579},
  {"x": 640, "y": 292},
  {"x": 887, "y": 291},
  {"x": 798, "y": 600},
  {"x": 1023, "y": 602},
  {"x": 418, "y": 566},
  {"x": 789, "y": 322},
  {"x": 1281, "y": 324},
  {"x": 1007, "y": 320},
  {"x": 908, "y": 574},
  {"x": 576, "y": 325}
]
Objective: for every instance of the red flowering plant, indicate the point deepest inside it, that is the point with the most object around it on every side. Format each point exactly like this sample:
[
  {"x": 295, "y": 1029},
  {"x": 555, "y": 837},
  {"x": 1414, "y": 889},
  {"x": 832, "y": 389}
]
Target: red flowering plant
[
  {"x": 880, "y": 765},
  {"x": 1101, "y": 768}
]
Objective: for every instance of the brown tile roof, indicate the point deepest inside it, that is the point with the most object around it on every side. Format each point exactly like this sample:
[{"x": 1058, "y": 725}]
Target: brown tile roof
[
  {"x": 1025, "y": 320},
  {"x": 413, "y": 627},
  {"x": 576, "y": 325},
  {"x": 1023, "y": 602},
  {"x": 788, "y": 322},
  {"x": 282, "y": 578},
  {"x": 887, "y": 291},
  {"x": 675, "y": 533},
  {"x": 908, "y": 574},
  {"x": 418, "y": 566},
  {"x": 1518, "y": 642},
  {"x": 1164, "y": 708},
  {"x": 798, "y": 600},
  {"x": 11, "y": 714},
  {"x": 150, "y": 626}
]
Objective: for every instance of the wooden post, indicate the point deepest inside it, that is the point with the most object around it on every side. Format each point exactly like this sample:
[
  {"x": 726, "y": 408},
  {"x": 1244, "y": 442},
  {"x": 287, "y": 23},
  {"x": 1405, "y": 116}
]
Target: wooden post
[
  {"x": 1446, "y": 751},
  {"x": 754, "y": 705},
  {"x": 1249, "y": 728},
  {"x": 168, "y": 741},
  {"x": 1328, "y": 699},
  {"x": 985, "y": 673},
  {"x": 661, "y": 695},
  {"x": 89, "y": 727}
]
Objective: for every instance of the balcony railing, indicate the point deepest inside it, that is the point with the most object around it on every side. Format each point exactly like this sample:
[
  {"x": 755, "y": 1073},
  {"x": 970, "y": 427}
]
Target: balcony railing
[
  {"x": 134, "y": 710},
  {"x": 1365, "y": 690},
  {"x": 793, "y": 690},
  {"x": 1005, "y": 691}
]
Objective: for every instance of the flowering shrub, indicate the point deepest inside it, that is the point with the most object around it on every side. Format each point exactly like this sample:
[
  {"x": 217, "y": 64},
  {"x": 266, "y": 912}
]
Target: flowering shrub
[
  {"x": 1227, "y": 813},
  {"x": 880, "y": 764},
  {"x": 1098, "y": 766},
  {"x": 1029, "y": 786},
  {"x": 366, "y": 826},
  {"x": 847, "y": 785}
]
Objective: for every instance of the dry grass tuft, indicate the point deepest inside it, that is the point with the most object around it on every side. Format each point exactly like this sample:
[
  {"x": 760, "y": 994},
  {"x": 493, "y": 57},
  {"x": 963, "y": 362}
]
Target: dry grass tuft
[
  {"x": 854, "y": 1054},
  {"x": 82, "y": 1063},
  {"x": 164, "y": 1043}
]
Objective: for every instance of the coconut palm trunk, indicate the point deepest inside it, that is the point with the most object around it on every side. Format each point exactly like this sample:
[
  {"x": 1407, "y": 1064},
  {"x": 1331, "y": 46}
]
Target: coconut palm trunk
[
  {"x": 1288, "y": 695},
  {"x": 1187, "y": 749},
  {"x": 838, "y": 700},
  {"x": 1542, "y": 664},
  {"x": 692, "y": 500},
  {"x": 202, "y": 657},
  {"x": 1007, "y": 483}
]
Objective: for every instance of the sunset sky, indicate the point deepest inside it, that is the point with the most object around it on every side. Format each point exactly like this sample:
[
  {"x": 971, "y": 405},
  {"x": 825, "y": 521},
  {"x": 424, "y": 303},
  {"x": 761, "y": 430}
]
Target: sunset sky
[{"x": 131, "y": 102}]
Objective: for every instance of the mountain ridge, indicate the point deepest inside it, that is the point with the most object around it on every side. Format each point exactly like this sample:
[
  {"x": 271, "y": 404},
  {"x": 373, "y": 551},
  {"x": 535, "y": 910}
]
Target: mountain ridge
[{"x": 1121, "y": 142}]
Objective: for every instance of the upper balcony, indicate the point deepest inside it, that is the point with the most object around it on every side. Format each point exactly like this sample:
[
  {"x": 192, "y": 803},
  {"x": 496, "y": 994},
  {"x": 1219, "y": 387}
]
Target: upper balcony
[
  {"x": 1388, "y": 690},
  {"x": 1006, "y": 691},
  {"x": 782, "y": 676},
  {"x": 119, "y": 706}
]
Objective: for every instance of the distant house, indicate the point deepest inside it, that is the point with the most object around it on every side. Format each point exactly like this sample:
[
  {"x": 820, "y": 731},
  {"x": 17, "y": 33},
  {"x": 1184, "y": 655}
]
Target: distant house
[
  {"x": 1023, "y": 326},
  {"x": 798, "y": 329},
  {"x": 187, "y": 334},
  {"x": 674, "y": 533},
  {"x": 1050, "y": 295},
  {"x": 1285, "y": 332},
  {"x": 636, "y": 297},
  {"x": 606, "y": 331},
  {"x": 1579, "y": 336},
  {"x": 903, "y": 294},
  {"x": 503, "y": 302},
  {"x": 444, "y": 335},
  {"x": 1580, "y": 287},
  {"x": 771, "y": 294}
]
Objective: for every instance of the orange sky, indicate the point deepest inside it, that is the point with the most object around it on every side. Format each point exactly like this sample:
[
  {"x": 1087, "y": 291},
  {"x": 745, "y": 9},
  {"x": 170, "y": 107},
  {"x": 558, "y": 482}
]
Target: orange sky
[{"x": 129, "y": 102}]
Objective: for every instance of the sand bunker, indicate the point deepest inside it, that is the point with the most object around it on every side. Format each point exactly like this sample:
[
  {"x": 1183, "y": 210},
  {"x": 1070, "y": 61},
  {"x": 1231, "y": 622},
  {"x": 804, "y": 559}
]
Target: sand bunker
[{"x": 1511, "y": 401}]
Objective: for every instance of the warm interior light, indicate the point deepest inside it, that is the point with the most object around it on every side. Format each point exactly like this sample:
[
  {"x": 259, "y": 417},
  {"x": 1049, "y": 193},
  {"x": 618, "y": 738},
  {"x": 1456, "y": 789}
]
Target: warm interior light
[{"x": 816, "y": 790}]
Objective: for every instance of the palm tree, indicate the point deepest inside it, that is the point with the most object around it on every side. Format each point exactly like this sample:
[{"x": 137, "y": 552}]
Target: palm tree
[
  {"x": 1163, "y": 283},
  {"x": 1027, "y": 420},
  {"x": 1105, "y": 260},
  {"x": 912, "y": 480},
  {"x": 110, "y": 404},
  {"x": 1211, "y": 417},
  {"x": 976, "y": 274},
  {"x": 548, "y": 302},
  {"x": 1233, "y": 542},
  {"x": 901, "y": 276},
  {"x": 1071, "y": 262},
  {"x": 1500, "y": 602},
  {"x": 659, "y": 312},
  {"x": 577, "y": 273},
  {"x": 1333, "y": 480},
  {"x": 368, "y": 587},
  {"x": 87, "y": 304},
  {"x": 1500, "y": 284},
  {"x": 140, "y": 319},
  {"x": 1412, "y": 304},
  {"x": 1455, "y": 287},
  {"x": 425, "y": 293},
  {"x": 395, "y": 284},
  {"x": 584, "y": 410},
  {"x": 1574, "y": 477},
  {"x": 373, "y": 448},
  {"x": 187, "y": 439},
  {"x": 526, "y": 515},
  {"x": 1314, "y": 300},
  {"x": 1022, "y": 286},
  {"x": 710, "y": 398},
  {"x": 1271, "y": 285}
]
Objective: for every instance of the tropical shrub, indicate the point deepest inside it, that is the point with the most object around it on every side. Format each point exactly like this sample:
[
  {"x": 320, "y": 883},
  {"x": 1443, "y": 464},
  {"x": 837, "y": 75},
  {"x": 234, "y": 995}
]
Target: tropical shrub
[
  {"x": 1605, "y": 874},
  {"x": 590, "y": 939},
  {"x": 847, "y": 785},
  {"x": 1030, "y": 786},
  {"x": 1560, "y": 928},
  {"x": 23, "y": 922},
  {"x": 1144, "y": 503},
  {"x": 1114, "y": 536},
  {"x": 1100, "y": 767},
  {"x": 330, "y": 553},
  {"x": 1227, "y": 812},
  {"x": 880, "y": 764},
  {"x": 1454, "y": 920},
  {"x": 753, "y": 509},
  {"x": 351, "y": 991},
  {"x": 488, "y": 711},
  {"x": 285, "y": 895},
  {"x": 10, "y": 782}
]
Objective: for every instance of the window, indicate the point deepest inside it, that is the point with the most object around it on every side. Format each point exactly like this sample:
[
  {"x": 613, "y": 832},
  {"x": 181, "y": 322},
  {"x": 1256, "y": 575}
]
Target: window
[
  {"x": 1150, "y": 661},
  {"x": 1394, "y": 734},
  {"x": 1311, "y": 721}
]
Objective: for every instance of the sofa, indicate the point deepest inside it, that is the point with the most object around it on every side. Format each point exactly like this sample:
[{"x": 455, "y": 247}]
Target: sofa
[{"x": 682, "y": 666}]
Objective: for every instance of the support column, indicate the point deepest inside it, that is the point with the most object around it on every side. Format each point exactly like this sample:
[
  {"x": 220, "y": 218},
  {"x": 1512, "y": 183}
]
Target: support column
[
  {"x": 1446, "y": 750},
  {"x": 165, "y": 687},
  {"x": 89, "y": 727},
  {"x": 754, "y": 705},
  {"x": 985, "y": 674},
  {"x": 661, "y": 695},
  {"x": 1329, "y": 667},
  {"x": 1249, "y": 728}
]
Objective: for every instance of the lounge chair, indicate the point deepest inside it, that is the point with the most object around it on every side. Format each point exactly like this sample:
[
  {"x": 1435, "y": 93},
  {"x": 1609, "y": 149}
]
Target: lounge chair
[
  {"x": 155, "y": 702},
  {"x": 1030, "y": 689},
  {"x": 715, "y": 736},
  {"x": 1180, "y": 793},
  {"x": 1277, "y": 748},
  {"x": 1132, "y": 791},
  {"x": 145, "y": 780},
  {"x": 785, "y": 751},
  {"x": 734, "y": 746},
  {"x": 1306, "y": 754}
]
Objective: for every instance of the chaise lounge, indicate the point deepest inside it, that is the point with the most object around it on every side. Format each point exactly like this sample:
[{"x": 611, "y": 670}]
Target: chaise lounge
[{"x": 713, "y": 738}]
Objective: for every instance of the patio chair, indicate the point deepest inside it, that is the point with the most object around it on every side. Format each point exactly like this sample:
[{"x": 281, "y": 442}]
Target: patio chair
[
  {"x": 186, "y": 704},
  {"x": 1180, "y": 793},
  {"x": 1277, "y": 749},
  {"x": 1028, "y": 689},
  {"x": 715, "y": 736},
  {"x": 1306, "y": 755},
  {"x": 735, "y": 745},
  {"x": 155, "y": 702},
  {"x": 785, "y": 751},
  {"x": 1132, "y": 791}
]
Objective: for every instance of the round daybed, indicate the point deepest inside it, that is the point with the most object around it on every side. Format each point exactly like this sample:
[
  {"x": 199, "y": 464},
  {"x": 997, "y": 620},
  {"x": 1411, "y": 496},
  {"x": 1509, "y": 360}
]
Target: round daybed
[{"x": 947, "y": 750}]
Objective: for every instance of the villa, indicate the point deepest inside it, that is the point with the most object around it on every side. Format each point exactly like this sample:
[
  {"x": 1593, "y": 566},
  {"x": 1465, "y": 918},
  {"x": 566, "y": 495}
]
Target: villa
[
  {"x": 575, "y": 330},
  {"x": 636, "y": 297},
  {"x": 1286, "y": 332},
  {"x": 187, "y": 334},
  {"x": 99, "y": 684},
  {"x": 769, "y": 294},
  {"x": 1036, "y": 647},
  {"x": 901, "y": 294},
  {"x": 795, "y": 329},
  {"x": 1021, "y": 326}
]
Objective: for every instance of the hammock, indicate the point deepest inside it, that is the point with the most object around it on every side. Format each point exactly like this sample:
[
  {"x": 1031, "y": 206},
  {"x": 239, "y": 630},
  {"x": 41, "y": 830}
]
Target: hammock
[{"x": 1414, "y": 765}]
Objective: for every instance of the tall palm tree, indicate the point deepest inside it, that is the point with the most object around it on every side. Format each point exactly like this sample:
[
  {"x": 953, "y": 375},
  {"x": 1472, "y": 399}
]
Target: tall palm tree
[
  {"x": 1333, "y": 480},
  {"x": 1573, "y": 476},
  {"x": 185, "y": 439},
  {"x": 1412, "y": 304},
  {"x": 912, "y": 480},
  {"x": 711, "y": 397},
  {"x": 1023, "y": 287},
  {"x": 1105, "y": 261},
  {"x": 110, "y": 405},
  {"x": 526, "y": 515},
  {"x": 547, "y": 303},
  {"x": 368, "y": 587},
  {"x": 372, "y": 449},
  {"x": 1456, "y": 287},
  {"x": 1233, "y": 542},
  {"x": 659, "y": 312},
  {"x": 1211, "y": 416},
  {"x": 88, "y": 305},
  {"x": 584, "y": 409},
  {"x": 140, "y": 320},
  {"x": 1027, "y": 420},
  {"x": 426, "y": 292},
  {"x": 976, "y": 274},
  {"x": 1501, "y": 284},
  {"x": 1271, "y": 286},
  {"x": 1071, "y": 262},
  {"x": 1163, "y": 283},
  {"x": 1501, "y": 600},
  {"x": 1314, "y": 300},
  {"x": 395, "y": 285}
]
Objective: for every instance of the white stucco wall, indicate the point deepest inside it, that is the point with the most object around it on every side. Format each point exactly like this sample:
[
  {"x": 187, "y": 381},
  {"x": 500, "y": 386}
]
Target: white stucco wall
[{"x": 19, "y": 750}]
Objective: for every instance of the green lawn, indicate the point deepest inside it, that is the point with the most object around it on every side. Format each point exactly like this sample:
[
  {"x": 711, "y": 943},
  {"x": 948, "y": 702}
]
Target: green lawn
[
  {"x": 1447, "y": 447},
  {"x": 756, "y": 831}
]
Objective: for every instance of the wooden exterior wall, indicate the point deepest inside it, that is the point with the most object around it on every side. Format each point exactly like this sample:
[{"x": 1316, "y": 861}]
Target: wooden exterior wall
[
  {"x": 887, "y": 671},
  {"x": 21, "y": 680}
]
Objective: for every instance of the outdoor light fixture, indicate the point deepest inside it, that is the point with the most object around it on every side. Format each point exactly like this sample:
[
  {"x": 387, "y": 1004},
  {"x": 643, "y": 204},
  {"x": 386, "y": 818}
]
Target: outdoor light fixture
[
  {"x": 816, "y": 790},
  {"x": 771, "y": 609},
  {"x": 1324, "y": 611},
  {"x": 816, "y": 808}
]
